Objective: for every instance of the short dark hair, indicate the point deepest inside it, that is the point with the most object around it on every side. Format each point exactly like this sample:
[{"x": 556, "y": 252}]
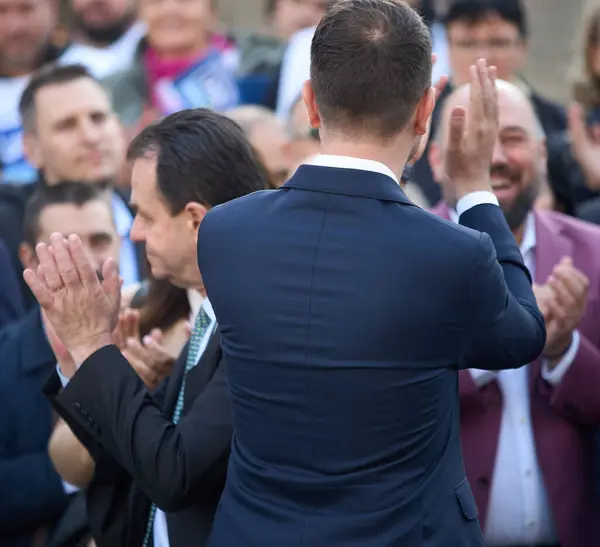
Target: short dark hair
[
  {"x": 370, "y": 65},
  {"x": 75, "y": 193},
  {"x": 476, "y": 11},
  {"x": 50, "y": 74},
  {"x": 201, "y": 156}
]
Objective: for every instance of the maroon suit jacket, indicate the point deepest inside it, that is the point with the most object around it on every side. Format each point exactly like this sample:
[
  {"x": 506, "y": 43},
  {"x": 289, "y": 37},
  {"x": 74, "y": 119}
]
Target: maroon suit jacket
[{"x": 564, "y": 417}]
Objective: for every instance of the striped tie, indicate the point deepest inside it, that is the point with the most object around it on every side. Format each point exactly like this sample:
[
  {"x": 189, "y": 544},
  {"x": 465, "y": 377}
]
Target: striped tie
[{"x": 201, "y": 326}]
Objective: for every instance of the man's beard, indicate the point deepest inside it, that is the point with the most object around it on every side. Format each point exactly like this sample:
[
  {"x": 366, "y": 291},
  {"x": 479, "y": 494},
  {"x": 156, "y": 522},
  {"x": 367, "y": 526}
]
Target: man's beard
[
  {"x": 522, "y": 205},
  {"x": 107, "y": 34},
  {"x": 517, "y": 212}
]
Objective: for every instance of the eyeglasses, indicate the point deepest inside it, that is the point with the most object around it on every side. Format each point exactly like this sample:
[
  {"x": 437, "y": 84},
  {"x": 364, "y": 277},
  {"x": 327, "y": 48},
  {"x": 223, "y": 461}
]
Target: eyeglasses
[{"x": 493, "y": 44}]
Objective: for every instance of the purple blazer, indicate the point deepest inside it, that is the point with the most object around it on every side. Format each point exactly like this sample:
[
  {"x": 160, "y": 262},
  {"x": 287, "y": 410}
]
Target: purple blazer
[{"x": 564, "y": 417}]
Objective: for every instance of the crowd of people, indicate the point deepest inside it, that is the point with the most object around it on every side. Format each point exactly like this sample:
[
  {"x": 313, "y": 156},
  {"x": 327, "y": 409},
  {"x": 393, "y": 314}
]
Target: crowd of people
[{"x": 130, "y": 127}]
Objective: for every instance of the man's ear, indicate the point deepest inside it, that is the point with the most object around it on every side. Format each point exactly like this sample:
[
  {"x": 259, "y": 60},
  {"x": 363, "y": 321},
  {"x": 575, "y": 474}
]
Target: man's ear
[
  {"x": 195, "y": 213},
  {"x": 424, "y": 111},
  {"x": 32, "y": 150},
  {"x": 308, "y": 96},
  {"x": 27, "y": 256}
]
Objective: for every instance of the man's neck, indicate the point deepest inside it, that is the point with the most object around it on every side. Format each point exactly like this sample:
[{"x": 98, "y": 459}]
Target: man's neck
[{"x": 392, "y": 157}]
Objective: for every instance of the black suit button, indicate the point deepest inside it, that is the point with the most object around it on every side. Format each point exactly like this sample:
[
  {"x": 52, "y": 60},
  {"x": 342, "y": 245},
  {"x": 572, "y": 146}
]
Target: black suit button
[
  {"x": 95, "y": 429},
  {"x": 77, "y": 407},
  {"x": 483, "y": 482}
]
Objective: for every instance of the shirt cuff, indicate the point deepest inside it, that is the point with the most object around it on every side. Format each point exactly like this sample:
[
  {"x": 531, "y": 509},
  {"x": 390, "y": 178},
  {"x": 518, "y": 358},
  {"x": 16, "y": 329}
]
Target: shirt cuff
[
  {"x": 482, "y": 377},
  {"x": 63, "y": 379},
  {"x": 554, "y": 376},
  {"x": 475, "y": 198},
  {"x": 69, "y": 488}
]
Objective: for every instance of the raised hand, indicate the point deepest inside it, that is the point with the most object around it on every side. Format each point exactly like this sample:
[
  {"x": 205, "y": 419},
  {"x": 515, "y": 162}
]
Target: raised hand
[
  {"x": 82, "y": 311},
  {"x": 472, "y": 134}
]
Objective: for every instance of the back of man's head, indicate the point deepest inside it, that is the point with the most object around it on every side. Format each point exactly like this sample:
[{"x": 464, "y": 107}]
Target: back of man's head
[
  {"x": 370, "y": 66},
  {"x": 201, "y": 156}
]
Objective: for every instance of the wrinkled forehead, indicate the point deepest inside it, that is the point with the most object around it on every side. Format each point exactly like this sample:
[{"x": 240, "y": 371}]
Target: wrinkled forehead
[{"x": 514, "y": 109}]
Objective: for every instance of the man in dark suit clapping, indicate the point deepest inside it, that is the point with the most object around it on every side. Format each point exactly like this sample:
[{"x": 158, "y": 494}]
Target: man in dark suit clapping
[{"x": 161, "y": 458}]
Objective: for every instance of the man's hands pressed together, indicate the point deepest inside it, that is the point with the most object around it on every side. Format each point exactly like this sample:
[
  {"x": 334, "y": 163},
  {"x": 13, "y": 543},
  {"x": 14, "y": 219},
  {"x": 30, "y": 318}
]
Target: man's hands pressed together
[{"x": 82, "y": 310}]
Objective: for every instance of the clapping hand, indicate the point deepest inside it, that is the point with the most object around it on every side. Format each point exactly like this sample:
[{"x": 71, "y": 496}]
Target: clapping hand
[
  {"x": 472, "y": 134},
  {"x": 82, "y": 310},
  {"x": 565, "y": 309},
  {"x": 148, "y": 356}
]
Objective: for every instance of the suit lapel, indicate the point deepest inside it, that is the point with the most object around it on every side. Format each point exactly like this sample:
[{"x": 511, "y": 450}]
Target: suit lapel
[
  {"x": 550, "y": 247},
  {"x": 201, "y": 374},
  {"x": 175, "y": 382}
]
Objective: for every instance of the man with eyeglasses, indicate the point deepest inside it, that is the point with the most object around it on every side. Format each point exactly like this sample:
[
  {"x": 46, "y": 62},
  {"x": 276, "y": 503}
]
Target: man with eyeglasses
[{"x": 497, "y": 31}]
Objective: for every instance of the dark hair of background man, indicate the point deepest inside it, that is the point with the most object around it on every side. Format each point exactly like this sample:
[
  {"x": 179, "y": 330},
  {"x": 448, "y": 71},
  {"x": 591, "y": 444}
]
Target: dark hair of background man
[
  {"x": 75, "y": 193},
  {"x": 51, "y": 74},
  {"x": 370, "y": 66},
  {"x": 202, "y": 157},
  {"x": 475, "y": 11}
]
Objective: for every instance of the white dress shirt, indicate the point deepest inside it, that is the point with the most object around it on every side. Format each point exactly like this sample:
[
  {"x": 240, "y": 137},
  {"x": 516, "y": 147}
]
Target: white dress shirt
[
  {"x": 519, "y": 512},
  {"x": 160, "y": 531}
]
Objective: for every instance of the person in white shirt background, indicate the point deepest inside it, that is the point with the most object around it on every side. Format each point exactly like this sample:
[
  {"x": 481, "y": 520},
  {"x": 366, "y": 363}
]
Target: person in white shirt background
[
  {"x": 105, "y": 35},
  {"x": 527, "y": 433}
]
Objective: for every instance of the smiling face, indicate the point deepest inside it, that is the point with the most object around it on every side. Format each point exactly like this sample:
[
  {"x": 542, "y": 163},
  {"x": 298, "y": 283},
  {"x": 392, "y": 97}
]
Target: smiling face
[{"x": 518, "y": 162}]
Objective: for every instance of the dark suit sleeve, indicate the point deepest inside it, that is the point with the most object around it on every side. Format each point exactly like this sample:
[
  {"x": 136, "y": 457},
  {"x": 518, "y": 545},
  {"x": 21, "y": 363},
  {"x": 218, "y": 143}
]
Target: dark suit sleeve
[
  {"x": 108, "y": 399},
  {"x": 31, "y": 492},
  {"x": 503, "y": 327},
  {"x": 11, "y": 301}
]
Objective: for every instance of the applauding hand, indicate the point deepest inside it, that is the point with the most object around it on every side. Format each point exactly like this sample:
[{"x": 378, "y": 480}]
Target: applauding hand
[
  {"x": 566, "y": 308},
  {"x": 82, "y": 310},
  {"x": 149, "y": 356}
]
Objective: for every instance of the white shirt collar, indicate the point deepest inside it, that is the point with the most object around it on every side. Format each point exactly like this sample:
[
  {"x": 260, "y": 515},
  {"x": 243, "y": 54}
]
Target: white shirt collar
[
  {"x": 348, "y": 162},
  {"x": 529, "y": 239},
  {"x": 198, "y": 302}
]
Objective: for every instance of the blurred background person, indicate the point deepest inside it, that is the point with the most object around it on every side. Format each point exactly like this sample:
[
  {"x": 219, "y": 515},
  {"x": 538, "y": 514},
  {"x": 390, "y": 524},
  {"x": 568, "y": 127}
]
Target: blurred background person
[
  {"x": 519, "y": 426},
  {"x": 105, "y": 35},
  {"x": 181, "y": 51},
  {"x": 32, "y": 496},
  {"x": 26, "y": 43}
]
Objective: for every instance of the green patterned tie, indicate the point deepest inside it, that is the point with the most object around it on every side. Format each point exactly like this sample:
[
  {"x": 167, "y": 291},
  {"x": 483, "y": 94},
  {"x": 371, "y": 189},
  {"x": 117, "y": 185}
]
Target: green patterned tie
[{"x": 201, "y": 326}]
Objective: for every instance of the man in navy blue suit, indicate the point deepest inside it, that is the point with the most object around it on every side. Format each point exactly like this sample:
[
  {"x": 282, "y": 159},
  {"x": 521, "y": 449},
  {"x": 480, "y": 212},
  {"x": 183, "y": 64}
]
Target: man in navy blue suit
[{"x": 346, "y": 311}]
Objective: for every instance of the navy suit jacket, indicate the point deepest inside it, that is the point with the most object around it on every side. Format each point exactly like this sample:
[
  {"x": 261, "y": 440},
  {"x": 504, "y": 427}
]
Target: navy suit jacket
[
  {"x": 31, "y": 492},
  {"x": 11, "y": 302},
  {"x": 346, "y": 313}
]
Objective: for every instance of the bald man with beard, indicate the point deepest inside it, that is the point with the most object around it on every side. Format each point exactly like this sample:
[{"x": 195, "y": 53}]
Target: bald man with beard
[{"x": 527, "y": 433}]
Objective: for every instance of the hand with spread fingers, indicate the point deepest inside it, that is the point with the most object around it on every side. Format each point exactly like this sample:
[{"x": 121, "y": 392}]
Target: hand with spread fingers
[
  {"x": 82, "y": 310},
  {"x": 566, "y": 308},
  {"x": 472, "y": 136}
]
